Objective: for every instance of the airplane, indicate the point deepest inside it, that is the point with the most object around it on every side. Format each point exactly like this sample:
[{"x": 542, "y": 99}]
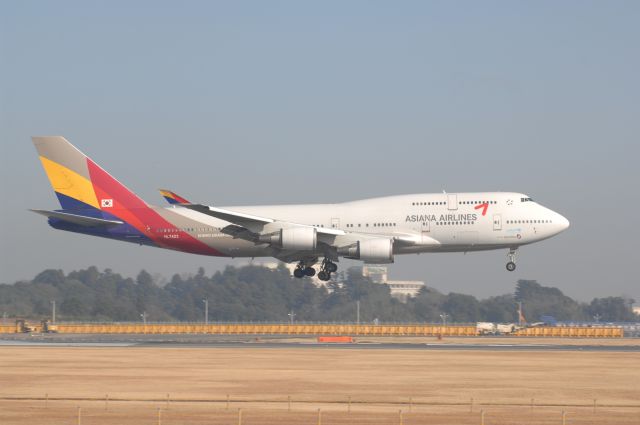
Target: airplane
[{"x": 372, "y": 230}]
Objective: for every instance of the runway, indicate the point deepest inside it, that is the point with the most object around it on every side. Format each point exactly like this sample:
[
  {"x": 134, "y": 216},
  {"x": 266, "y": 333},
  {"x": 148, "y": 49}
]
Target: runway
[
  {"x": 445, "y": 347},
  {"x": 286, "y": 342}
]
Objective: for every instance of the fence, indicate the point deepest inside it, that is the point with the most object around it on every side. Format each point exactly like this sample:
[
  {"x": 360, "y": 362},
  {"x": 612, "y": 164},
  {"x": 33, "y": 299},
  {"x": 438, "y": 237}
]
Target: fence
[
  {"x": 574, "y": 332},
  {"x": 301, "y": 329},
  {"x": 166, "y": 410}
]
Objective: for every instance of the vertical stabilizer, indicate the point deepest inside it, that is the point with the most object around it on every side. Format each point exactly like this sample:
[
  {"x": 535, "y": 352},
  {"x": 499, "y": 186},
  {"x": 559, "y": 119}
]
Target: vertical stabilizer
[{"x": 79, "y": 183}]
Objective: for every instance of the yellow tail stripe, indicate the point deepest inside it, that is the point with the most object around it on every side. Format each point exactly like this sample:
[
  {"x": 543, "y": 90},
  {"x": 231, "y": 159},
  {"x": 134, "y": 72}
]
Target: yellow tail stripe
[{"x": 70, "y": 183}]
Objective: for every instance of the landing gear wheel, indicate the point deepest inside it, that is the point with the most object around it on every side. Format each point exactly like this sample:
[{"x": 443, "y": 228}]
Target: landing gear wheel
[
  {"x": 310, "y": 271},
  {"x": 511, "y": 265},
  {"x": 299, "y": 273},
  {"x": 324, "y": 276},
  {"x": 331, "y": 267}
]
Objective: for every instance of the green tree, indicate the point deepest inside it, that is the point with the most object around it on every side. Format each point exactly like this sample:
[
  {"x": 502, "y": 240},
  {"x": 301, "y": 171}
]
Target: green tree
[
  {"x": 500, "y": 309},
  {"x": 428, "y": 305},
  {"x": 50, "y": 276},
  {"x": 612, "y": 309},
  {"x": 538, "y": 300},
  {"x": 72, "y": 307},
  {"x": 461, "y": 308},
  {"x": 259, "y": 294}
]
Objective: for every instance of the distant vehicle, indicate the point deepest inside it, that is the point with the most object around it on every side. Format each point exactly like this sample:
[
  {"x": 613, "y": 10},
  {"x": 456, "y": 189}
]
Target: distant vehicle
[
  {"x": 486, "y": 328},
  {"x": 505, "y": 328},
  {"x": 24, "y": 327},
  {"x": 48, "y": 327},
  {"x": 371, "y": 230}
]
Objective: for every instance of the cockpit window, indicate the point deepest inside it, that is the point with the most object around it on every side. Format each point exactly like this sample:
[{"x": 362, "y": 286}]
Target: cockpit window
[{"x": 526, "y": 200}]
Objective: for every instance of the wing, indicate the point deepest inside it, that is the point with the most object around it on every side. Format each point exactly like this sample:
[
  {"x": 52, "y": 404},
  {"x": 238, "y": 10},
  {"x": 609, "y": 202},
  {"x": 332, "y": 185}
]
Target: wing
[
  {"x": 256, "y": 223},
  {"x": 304, "y": 241},
  {"x": 267, "y": 230}
]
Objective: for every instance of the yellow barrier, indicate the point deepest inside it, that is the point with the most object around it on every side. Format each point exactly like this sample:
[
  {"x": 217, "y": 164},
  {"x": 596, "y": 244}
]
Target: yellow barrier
[
  {"x": 267, "y": 329},
  {"x": 302, "y": 329},
  {"x": 10, "y": 328},
  {"x": 573, "y": 332}
]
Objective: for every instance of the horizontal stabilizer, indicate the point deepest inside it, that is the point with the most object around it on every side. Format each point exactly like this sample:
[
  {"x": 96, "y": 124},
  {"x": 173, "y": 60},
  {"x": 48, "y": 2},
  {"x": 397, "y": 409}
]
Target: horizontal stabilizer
[{"x": 79, "y": 219}]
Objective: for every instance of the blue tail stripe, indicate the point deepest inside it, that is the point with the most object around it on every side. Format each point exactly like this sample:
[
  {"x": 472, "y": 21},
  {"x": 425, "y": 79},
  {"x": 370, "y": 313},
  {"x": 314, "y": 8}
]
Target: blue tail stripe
[{"x": 73, "y": 206}]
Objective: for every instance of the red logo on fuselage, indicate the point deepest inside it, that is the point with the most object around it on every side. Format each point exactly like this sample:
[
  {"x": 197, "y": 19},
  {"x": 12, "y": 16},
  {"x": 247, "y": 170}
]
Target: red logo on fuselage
[{"x": 483, "y": 206}]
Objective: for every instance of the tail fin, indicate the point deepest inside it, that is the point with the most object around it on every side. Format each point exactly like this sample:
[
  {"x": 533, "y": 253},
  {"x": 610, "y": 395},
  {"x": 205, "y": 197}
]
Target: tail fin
[
  {"x": 172, "y": 197},
  {"x": 79, "y": 183}
]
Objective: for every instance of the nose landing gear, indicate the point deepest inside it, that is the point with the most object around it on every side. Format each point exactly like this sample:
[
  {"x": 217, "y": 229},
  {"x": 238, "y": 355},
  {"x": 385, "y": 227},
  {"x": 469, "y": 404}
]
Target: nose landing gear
[{"x": 511, "y": 265}]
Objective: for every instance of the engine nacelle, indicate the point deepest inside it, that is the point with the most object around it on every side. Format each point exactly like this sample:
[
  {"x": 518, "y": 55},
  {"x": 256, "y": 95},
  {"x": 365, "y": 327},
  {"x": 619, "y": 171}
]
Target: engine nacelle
[
  {"x": 376, "y": 251},
  {"x": 294, "y": 238}
]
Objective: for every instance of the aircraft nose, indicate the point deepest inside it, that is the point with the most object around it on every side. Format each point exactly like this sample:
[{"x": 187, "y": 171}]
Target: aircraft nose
[{"x": 562, "y": 222}]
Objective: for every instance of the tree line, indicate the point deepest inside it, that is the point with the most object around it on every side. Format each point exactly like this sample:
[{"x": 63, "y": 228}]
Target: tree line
[{"x": 254, "y": 293}]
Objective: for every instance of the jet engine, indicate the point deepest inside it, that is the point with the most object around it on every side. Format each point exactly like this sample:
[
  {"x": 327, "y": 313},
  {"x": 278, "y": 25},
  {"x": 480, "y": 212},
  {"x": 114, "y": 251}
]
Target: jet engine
[
  {"x": 294, "y": 238},
  {"x": 376, "y": 251}
]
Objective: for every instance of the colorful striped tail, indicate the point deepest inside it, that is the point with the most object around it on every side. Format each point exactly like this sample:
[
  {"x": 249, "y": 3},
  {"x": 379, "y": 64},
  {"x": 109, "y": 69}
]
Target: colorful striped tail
[{"x": 79, "y": 183}]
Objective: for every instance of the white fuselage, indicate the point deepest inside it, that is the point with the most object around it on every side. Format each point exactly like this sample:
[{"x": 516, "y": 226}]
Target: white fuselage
[
  {"x": 440, "y": 222},
  {"x": 370, "y": 230}
]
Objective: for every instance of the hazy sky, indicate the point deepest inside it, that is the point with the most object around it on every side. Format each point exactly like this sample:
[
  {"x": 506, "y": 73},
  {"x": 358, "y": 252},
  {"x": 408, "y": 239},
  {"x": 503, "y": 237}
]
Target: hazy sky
[{"x": 297, "y": 102}]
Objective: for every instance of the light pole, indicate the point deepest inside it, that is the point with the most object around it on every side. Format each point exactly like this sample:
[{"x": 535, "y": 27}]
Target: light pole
[
  {"x": 358, "y": 312},
  {"x": 144, "y": 317},
  {"x": 444, "y": 316},
  {"x": 53, "y": 311},
  {"x": 206, "y": 311},
  {"x": 520, "y": 315},
  {"x": 291, "y": 316}
]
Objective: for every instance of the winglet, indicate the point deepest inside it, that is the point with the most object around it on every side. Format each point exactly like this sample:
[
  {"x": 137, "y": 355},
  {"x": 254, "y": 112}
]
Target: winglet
[{"x": 172, "y": 198}]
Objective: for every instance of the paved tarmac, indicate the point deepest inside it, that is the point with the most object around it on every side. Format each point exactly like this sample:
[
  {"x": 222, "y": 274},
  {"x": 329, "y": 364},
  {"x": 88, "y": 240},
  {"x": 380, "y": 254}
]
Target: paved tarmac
[{"x": 285, "y": 341}]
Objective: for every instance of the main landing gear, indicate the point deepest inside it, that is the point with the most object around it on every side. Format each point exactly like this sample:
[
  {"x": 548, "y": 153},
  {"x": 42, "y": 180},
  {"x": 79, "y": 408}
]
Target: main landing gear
[
  {"x": 324, "y": 274},
  {"x": 511, "y": 265},
  {"x": 327, "y": 268},
  {"x": 303, "y": 270}
]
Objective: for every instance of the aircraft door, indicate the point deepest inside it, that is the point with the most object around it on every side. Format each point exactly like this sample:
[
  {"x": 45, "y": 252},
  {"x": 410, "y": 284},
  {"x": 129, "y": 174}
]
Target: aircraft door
[
  {"x": 335, "y": 223},
  {"x": 497, "y": 222},
  {"x": 452, "y": 201}
]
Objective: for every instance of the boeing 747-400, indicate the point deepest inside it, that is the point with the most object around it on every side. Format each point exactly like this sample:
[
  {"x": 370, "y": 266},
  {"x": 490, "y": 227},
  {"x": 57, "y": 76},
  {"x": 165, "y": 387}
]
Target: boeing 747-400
[{"x": 312, "y": 235}]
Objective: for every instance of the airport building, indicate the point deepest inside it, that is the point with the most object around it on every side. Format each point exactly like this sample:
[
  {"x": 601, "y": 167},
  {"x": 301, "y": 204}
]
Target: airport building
[{"x": 399, "y": 289}]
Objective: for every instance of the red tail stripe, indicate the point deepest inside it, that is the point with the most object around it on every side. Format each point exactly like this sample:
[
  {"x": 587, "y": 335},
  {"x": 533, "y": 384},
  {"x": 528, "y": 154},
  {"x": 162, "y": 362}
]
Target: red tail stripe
[{"x": 133, "y": 210}]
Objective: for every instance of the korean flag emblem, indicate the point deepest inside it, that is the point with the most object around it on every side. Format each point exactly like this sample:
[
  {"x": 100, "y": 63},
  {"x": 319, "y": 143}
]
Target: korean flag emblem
[{"x": 106, "y": 203}]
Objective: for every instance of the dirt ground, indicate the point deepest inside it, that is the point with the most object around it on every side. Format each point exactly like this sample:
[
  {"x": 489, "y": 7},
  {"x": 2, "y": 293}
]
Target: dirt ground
[{"x": 46, "y": 385}]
